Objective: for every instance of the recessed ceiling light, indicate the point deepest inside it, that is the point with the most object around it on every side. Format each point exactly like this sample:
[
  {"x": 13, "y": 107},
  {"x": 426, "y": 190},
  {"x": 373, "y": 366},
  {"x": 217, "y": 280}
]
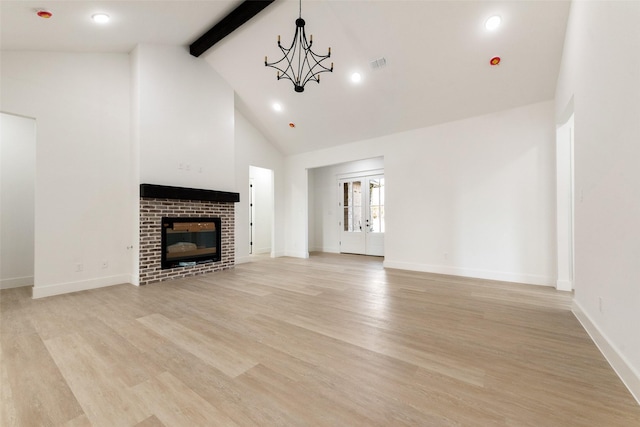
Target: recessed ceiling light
[
  {"x": 356, "y": 77},
  {"x": 100, "y": 18},
  {"x": 277, "y": 106},
  {"x": 493, "y": 23}
]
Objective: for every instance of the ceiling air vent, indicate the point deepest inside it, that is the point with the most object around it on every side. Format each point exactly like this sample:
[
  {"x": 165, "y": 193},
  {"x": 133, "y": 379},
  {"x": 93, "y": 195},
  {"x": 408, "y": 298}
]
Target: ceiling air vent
[{"x": 376, "y": 64}]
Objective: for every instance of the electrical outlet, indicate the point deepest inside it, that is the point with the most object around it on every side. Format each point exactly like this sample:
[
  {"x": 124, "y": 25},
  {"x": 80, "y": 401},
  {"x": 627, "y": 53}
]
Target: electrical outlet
[
  {"x": 600, "y": 304},
  {"x": 79, "y": 267},
  {"x": 446, "y": 255}
]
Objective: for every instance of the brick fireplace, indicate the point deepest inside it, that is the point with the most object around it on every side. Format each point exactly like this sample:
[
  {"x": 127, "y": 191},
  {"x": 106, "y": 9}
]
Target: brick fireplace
[{"x": 157, "y": 201}]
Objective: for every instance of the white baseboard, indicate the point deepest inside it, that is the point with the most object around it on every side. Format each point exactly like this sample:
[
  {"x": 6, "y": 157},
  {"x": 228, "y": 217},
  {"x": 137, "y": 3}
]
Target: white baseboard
[
  {"x": 629, "y": 376},
  {"x": 16, "y": 282},
  {"x": 529, "y": 279},
  {"x": 134, "y": 280},
  {"x": 296, "y": 254},
  {"x": 329, "y": 250},
  {"x": 564, "y": 285},
  {"x": 82, "y": 285},
  {"x": 250, "y": 258}
]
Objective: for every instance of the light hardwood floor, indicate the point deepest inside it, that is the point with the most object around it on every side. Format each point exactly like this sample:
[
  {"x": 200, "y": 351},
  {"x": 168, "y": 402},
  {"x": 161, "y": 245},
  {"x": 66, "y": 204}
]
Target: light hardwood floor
[{"x": 335, "y": 340}]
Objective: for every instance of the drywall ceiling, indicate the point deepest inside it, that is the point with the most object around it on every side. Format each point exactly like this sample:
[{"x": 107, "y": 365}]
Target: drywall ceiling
[{"x": 437, "y": 55}]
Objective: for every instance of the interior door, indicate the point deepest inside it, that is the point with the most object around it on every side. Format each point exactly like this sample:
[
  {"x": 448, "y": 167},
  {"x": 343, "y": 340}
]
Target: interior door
[
  {"x": 362, "y": 221},
  {"x": 374, "y": 221}
]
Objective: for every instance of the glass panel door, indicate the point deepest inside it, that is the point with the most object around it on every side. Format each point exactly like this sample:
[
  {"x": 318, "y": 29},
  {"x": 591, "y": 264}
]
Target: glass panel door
[
  {"x": 376, "y": 205},
  {"x": 362, "y": 225},
  {"x": 374, "y": 242},
  {"x": 352, "y": 206},
  {"x": 351, "y": 231}
]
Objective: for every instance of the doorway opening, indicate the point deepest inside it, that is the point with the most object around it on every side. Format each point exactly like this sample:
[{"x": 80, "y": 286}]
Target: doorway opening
[
  {"x": 261, "y": 211},
  {"x": 365, "y": 207},
  {"x": 565, "y": 205},
  {"x": 17, "y": 200}
]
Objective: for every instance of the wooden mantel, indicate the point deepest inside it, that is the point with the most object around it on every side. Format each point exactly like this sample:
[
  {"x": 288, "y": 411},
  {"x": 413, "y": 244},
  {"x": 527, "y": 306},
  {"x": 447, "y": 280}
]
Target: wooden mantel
[{"x": 182, "y": 193}]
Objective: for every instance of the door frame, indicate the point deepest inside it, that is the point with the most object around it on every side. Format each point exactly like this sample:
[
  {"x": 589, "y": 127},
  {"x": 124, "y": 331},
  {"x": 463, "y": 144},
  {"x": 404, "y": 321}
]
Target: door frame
[
  {"x": 565, "y": 205},
  {"x": 364, "y": 176},
  {"x": 261, "y": 210}
]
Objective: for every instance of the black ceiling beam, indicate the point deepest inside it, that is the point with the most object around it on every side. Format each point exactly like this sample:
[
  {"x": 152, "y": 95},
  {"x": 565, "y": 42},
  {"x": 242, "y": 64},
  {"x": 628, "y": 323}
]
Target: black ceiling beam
[{"x": 241, "y": 14}]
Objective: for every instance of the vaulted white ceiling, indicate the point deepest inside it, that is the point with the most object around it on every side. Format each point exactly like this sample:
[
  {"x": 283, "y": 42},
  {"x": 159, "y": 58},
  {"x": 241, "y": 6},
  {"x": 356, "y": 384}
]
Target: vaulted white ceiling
[{"x": 437, "y": 55}]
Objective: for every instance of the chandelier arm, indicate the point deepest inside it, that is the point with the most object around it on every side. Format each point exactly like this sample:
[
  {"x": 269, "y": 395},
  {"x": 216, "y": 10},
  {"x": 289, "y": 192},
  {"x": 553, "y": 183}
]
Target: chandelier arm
[
  {"x": 285, "y": 72},
  {"x": 310, "y": 74},
  {"x": 302, "y": 62},
  {"x": 317, "y": 59},
  {"x": 298, "y": 53},
  {"x": 313, "y": 75},
  {"x": 290, "y": 71},
  {"x": 284, "y": 75},
  {"x": 285, "y": 53},
  {"x": 295, "y": 47}
]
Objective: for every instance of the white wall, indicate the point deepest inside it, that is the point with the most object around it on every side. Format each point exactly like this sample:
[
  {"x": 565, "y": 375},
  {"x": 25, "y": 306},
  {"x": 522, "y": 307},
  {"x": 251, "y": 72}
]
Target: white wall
[
  {"x": 253, "y": 149},
  {"x": 601, "y": 72},
  {"x": 108, "y": 122},
  {"x": 184, "y": 120},
  {"x": 83, "y": 186},
  {"x": 17, "y": 196},
  {"x": 262, "y": 209},
  {"x": 479, "y": 190},
  {"x": 324, "y": 213}
]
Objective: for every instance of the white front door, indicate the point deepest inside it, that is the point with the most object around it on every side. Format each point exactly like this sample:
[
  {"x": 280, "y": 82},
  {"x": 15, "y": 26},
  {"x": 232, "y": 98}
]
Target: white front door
[{"x": 362, "y": 219}]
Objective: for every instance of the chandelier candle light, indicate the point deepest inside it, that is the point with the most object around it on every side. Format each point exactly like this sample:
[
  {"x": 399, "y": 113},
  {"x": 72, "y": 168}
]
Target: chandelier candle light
[{"x": 300, "y": 64}]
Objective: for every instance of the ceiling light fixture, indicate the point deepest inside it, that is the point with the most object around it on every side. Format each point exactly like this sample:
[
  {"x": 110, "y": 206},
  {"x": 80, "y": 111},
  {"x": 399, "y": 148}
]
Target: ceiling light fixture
[
  {"x": 277, "y": 107},
  {"x": 100, "y": 18},
  {"x": 492, "y": 23},
  {"x": 356, "y": 77},
  {"x": 300, "y": 64}
]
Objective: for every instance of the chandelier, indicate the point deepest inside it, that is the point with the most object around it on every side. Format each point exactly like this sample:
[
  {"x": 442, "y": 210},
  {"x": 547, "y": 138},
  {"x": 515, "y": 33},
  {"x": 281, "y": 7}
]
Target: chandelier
[{"x": 300, "y": 64}]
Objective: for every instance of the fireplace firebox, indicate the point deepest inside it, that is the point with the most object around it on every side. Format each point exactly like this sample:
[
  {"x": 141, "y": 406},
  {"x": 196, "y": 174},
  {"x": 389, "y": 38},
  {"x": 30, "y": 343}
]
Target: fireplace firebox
[{"x": 190, "y": 241}]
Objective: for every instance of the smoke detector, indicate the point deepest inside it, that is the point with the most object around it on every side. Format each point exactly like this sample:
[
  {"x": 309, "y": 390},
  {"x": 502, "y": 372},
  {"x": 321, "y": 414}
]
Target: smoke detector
[{"x": 44, "y": 14}]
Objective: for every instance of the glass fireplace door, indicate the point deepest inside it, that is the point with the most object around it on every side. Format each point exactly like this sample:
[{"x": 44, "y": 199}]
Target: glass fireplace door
[{"x": 187, "y": 241}]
